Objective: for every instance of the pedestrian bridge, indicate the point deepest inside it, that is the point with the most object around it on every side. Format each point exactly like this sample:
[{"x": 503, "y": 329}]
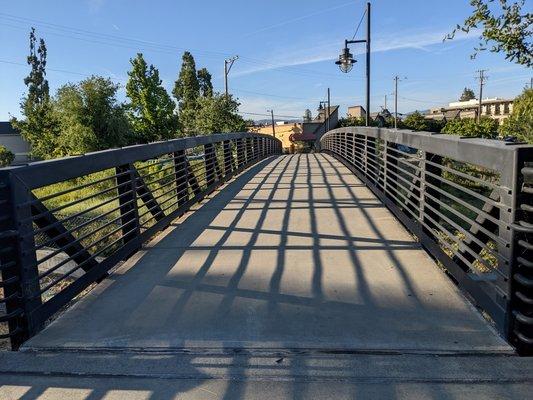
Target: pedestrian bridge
[{"x": 382, "y": 243}]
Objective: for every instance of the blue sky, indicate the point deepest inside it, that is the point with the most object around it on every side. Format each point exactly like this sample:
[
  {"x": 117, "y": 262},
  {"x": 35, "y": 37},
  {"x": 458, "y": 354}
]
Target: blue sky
[{"x": 286, "y": 49}]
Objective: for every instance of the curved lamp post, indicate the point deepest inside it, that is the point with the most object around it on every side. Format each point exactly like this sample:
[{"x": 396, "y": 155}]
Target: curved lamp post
[{"x": 346, "y": 61}]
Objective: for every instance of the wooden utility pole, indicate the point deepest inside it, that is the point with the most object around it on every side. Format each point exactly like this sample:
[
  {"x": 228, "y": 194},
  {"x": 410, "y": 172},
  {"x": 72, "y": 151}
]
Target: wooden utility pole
[
  {"x": 273, "y": 126},
  {"x": 227, "y": 68},
  {"x": 329, "y": 106},
  {"x": 482, "y": 77},
  {"x": 396, "y": 79}
]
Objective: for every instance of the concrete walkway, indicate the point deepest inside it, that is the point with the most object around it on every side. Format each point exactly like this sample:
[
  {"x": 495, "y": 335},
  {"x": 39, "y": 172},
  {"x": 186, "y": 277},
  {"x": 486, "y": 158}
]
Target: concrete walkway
[{"x": 295, "y": 253}]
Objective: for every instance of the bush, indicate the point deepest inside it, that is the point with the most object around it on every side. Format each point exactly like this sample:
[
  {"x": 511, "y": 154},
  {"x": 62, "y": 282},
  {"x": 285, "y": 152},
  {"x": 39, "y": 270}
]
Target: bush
[
  {"x": 417, "y": 122},
  {"x": 468, "y": 127},
  {"x": 6, "y": 157}
]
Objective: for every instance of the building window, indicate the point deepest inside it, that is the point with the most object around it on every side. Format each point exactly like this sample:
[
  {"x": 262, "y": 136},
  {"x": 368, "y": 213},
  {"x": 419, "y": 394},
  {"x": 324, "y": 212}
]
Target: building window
[
  {"x": 497, "y": 109},
  {"x": 506, "y": 108},
  {"x": 487, "y": 110}
]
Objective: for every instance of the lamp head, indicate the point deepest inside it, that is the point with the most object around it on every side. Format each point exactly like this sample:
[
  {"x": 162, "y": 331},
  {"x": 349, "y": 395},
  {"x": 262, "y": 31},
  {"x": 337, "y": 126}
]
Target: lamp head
[{"x": 345, "y": 61}]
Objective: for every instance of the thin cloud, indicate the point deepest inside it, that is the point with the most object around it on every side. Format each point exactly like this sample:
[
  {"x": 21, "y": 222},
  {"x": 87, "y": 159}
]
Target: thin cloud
[
  {"x": 290, "y": 21},
  {"x": 329, "y": 51}
]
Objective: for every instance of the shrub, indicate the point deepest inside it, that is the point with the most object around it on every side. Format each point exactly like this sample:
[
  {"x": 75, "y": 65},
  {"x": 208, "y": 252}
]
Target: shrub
[
  {"x": 6, "y": 157},
  {"x": 468, "y": 127}
]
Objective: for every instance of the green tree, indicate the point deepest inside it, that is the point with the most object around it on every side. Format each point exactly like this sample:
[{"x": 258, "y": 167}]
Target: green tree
[
  {"x": 506, "y": 29},
  {"x": 151, "y": 109},
  {"x": 520, "y": 123},
  {"x": 186, "y": 91},
  {"x": 90, "y": 117},
  {"x": 204, "y": 82},
  {"x": 417, "y": 122},
  {"x": 6, "y": 156},
  {"x": 351, "y": 121},
  {"x": 468, "y": 94},
  {"x": 218, "y": 114},
  {"x": 468, "y": 127},
  {"x": 38, "y": 126}
]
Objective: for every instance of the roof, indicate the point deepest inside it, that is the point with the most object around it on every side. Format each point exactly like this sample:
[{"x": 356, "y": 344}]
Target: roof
[{"x": 7, "y": 129}]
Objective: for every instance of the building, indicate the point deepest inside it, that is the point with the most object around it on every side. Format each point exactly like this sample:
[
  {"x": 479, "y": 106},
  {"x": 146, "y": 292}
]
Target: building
[
  {"x": 313, "y": 131},
  {"x": 284, "y": 132},
  {"x": 11, "y": 140},
  {"x": 495, "y": 108},
  {"x": 356, "y": 112}
]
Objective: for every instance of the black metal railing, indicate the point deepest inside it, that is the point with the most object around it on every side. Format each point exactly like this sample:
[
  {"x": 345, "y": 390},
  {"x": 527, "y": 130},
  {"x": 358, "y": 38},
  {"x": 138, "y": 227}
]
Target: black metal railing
[
  {"x": 65, "y": 223},
  {"x": 468, "y": 200}
]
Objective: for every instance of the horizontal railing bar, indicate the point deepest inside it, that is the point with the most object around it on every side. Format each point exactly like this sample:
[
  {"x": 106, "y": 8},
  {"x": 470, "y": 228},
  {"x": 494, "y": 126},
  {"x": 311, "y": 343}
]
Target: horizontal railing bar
[
  {"x": 492, "y": 154},
  {"x": 43, "y": 173}
]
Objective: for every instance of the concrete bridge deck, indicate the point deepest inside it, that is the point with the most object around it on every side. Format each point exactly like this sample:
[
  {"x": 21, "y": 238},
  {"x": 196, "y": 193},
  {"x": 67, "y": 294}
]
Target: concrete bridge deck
[{"x": 296, "y": 253}]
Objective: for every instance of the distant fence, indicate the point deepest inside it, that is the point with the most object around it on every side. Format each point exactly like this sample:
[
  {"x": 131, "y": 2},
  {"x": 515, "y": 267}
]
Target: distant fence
[
  {"x": 468, "y": 200},
  {"x": 64, "y": 223}
]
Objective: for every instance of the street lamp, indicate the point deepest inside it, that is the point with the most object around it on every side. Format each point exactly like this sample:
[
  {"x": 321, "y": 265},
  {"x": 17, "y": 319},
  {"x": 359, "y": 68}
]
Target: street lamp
[{"x": 346, "y": 61}]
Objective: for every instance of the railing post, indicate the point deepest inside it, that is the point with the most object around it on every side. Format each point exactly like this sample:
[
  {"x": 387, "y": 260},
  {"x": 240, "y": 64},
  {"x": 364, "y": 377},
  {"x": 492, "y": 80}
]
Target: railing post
[
  {"x": 210, "y": 159},
  {"x": 520, "y": 285},
  {"x": 18, "y": 262},
  {"x": 249, "y": 150},
  {"x": 426, "y": 182},
  {"x": 228, "y": 158},
  {"x": 129, "y": 213},
  {"x": 241, "y": 157},
  {"x": 181, "y": 174}
]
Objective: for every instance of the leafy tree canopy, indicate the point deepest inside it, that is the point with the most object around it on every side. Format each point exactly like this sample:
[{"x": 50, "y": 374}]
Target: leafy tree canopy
[
  {"x": 90, "y": 117},
  {"x": 38, "y": 126},
  {"x": 505, "y": 27},
  {"x": 520, "y": 123},
  {"x": 468, "y": 127},
  {"x": 417, "y": 122},
  {"x": 151, "y": 109},
  {"x": 204, "y": 81},
  {"x": 186, "y": 91},
  {"x": 468, "y": 94},
  {"x": 307, "y": 115},
  {"x": 218, "y": 114}
]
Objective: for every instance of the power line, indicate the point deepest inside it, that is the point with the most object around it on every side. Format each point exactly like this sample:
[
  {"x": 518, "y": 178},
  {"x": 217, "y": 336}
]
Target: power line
[
  {"x": 140, "y": 44},
  {"x": 267, "y": 115},
  {"x": 359, "y": 25}
]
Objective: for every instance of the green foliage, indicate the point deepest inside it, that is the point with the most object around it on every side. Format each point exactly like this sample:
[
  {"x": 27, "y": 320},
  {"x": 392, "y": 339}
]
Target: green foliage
[
  {"x": 186, "y": 91},
  {"x": 38, "y": 126},
  {"x": 218, "y": 114},
  {"x": 90, "y": 117},
  {"x": 307, "y": 115},
  {"x": 520, "y": 123},
  {"x": 6, "y": 156},
  {"x": 507, "y": 29},
  {"x": 204, "y": 82},
  {"x": 417, "y": 122},
  {"x": 468, "y": 127},
  {"x": 468, "y": 94},
  {"x": 351, "y": 121},
  {"x": 151, "y": 109}
]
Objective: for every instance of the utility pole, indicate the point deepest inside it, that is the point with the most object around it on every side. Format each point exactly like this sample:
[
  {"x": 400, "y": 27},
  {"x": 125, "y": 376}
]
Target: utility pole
[
  {"x": 227, "y": 68},
  {"x": 368, "y": 64},
  {"x": 273, "y": 126},
  {"x": 481, "y": 79},
  {"x": 329, "y": 105},
  {"x": 396, "y": 79},
  {"x": 385, "y": 103}
]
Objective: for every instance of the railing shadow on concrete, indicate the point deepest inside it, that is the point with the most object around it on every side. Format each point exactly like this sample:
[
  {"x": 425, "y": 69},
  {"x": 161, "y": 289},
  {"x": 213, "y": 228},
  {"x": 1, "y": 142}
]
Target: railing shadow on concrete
[
  {"x": 96, "y": 210},
  {"x": 468, "y": 200}
]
